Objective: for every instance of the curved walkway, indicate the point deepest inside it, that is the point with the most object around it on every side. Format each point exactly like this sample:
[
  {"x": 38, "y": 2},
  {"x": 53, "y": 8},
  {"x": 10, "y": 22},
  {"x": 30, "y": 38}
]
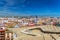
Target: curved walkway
[{"x": 43, "y": 29}]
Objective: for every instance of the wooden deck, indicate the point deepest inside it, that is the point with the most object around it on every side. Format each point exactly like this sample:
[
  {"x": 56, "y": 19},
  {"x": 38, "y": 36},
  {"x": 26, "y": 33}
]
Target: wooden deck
[
  {"x": 50, "y": 29},
  {"x": 42, "y": 35}
]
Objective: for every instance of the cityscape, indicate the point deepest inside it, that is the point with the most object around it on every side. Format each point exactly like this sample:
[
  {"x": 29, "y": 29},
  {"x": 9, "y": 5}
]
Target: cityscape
[
  {"x": 29, "y": 28},
  {"x": 29, "y": 19}
]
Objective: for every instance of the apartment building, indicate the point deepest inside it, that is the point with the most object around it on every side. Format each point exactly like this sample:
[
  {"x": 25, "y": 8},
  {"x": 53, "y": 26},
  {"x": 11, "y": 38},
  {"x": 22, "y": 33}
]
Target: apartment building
[{"x": 5, "y": 35}]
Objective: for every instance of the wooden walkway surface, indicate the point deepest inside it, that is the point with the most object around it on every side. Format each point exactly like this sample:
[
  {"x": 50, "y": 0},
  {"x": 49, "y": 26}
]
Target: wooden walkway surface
[
  {"x": 42, "y": 35},
  {"x": 50, "y": 29}
]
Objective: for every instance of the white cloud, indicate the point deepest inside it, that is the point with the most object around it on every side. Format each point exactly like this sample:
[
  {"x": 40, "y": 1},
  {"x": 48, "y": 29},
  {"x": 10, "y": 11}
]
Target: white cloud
[{"x": 6, "y": 9}]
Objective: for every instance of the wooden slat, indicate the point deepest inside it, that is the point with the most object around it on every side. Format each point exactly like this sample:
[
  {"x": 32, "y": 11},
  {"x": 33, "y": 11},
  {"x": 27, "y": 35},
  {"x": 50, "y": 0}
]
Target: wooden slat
[
  {"x": 59, "y": 35},
  {"x": 55, "y": 36},
  {"x": 50, "y": 29},
  {"x": 48, "y": 37},
  {"x": 58, "y": 28}
]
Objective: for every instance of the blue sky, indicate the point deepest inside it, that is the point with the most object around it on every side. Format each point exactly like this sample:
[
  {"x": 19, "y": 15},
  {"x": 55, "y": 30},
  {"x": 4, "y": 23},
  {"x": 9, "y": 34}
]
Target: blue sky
[{"x": 30, "y": 7}]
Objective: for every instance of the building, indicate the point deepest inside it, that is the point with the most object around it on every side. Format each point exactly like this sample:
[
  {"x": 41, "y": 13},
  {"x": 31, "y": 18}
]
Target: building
[
  {"x": 5, "y": 35},
  {"x": 2, "y": 33}
]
